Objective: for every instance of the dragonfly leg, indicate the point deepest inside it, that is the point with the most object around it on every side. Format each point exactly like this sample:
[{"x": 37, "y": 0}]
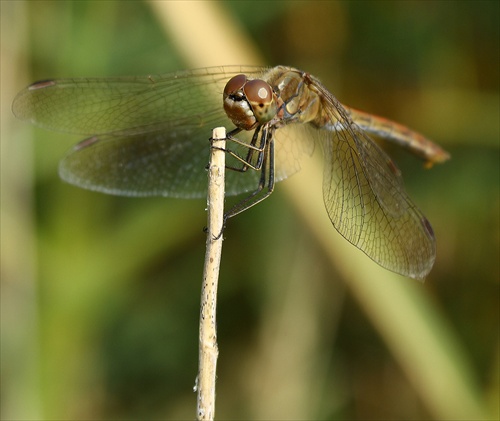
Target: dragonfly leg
[
  {"x": 262, "y": 133},
  {"x": 265, "y": 187},
  {"x": 265, "y": 163},
  {"x": 253, "y": 148}
]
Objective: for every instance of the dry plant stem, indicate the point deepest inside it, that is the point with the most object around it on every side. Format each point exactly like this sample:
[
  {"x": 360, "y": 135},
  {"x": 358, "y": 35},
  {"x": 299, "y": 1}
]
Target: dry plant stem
[{"x": 208, "y": 350}]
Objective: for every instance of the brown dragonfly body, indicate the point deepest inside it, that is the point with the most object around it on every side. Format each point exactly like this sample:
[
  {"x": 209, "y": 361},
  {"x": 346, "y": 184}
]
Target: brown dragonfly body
[{"x": 147, "y": 136}]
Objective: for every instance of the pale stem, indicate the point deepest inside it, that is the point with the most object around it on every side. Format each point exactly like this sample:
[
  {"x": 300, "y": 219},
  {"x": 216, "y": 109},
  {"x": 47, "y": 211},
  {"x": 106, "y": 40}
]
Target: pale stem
[{"x": 208, "y": 350}]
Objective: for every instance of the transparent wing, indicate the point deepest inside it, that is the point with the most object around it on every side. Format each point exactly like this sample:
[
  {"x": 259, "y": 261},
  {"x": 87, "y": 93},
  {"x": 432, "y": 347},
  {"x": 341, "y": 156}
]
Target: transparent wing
[
  {"x": 292, "y": 143},
  {"x": 154, "y": 163},
  {"x": 366, "y": 201},
  {"x": 149, "y": 135},
  {"x": 125, "y": 105},
  {"x": 159, "y": 163}
]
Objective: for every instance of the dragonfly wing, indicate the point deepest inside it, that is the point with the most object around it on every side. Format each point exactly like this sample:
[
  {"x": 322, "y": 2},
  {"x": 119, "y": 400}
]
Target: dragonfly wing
[
  {"x": 367, "y": 203},
  {"x": 145, "y": 164},
  {"x": 167, "y": 161},
  {"x": 126, "y": 104},
  {"x": 292, "y": 143},
  {"x": 149, "y": 135}
]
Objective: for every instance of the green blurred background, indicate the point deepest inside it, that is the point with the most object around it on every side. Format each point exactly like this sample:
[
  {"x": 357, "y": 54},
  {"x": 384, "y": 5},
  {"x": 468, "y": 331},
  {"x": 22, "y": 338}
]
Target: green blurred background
[{"x": 100, "y": 294}]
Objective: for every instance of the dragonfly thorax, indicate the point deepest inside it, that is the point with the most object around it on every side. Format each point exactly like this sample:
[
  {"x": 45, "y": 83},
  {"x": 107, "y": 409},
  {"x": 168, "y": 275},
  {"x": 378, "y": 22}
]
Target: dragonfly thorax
[{"x": 301, "y": 104}]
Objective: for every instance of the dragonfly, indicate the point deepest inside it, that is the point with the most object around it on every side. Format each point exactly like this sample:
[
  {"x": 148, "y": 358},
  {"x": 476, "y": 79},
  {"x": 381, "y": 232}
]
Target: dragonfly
[{"x": 147, "y": 136}]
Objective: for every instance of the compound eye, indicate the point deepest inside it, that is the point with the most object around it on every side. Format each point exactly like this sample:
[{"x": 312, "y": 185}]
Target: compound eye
[
  {"x": 261, "y": 98},
  {"x": 235, "y": 84},
  {"x": 258, "y": 92}
]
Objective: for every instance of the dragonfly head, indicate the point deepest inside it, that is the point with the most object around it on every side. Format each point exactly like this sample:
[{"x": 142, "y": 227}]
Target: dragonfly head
[{"x": 249, "y": 103}]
